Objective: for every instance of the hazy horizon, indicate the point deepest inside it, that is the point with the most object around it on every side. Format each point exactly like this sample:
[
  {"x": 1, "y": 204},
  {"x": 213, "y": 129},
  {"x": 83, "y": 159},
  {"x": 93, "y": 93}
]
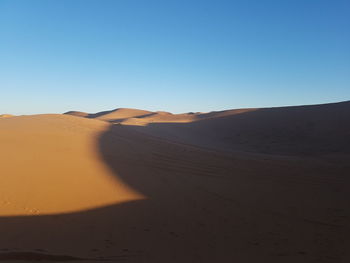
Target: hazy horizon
[{"x": 165, "y": 110}]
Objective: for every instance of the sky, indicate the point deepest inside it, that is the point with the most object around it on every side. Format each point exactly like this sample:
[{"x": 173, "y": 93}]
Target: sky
[{"x": 173, "y": 55}]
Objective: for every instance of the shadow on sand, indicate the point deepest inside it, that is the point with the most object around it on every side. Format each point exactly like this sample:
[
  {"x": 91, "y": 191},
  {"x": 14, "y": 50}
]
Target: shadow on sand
[{"x": 201, "y": 206}]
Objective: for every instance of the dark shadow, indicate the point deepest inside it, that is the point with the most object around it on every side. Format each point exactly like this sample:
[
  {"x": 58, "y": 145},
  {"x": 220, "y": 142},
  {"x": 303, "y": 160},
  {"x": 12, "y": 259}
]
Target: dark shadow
[
  {"x": 200, "y": 206},
  {"x": 99, "y": 114},
  {"x": 298, "y": 130},
  {"x": 102, "y": 113},
  {"x": 137, "y": 117}
]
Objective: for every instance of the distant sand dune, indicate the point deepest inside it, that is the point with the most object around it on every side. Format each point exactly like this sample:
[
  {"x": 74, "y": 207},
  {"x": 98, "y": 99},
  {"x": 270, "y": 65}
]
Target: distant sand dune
[
  {"x": 113, "y": 115},
  {"x": 250, "y": 185},
  {"x": 314, "y": 129},
  {"x": 5, "y": 115}
]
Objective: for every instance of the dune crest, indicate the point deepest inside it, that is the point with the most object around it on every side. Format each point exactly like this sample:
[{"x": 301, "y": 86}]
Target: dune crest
[
  {"x": 307, "y": 130},
  {"x": 112, "y": 115},
  {"x": 6, "y": 115},
  {"x": 247, "y": 185}
]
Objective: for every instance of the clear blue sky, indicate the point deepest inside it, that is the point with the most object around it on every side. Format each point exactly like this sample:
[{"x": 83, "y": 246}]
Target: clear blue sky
[{"x": 176, "y": 55}]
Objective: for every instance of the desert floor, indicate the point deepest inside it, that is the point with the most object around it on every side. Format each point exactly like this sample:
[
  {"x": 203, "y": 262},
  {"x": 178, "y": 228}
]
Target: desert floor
[{"x": 250, "y": 185}]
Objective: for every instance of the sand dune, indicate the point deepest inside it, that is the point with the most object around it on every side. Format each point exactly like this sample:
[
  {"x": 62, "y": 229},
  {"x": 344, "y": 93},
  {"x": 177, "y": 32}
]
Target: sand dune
[
  {"x": 158, "y": 117},
  {"x": 78, "y": 114},
  {"x": 51, "y": 164},
  {"x": 252, "y": 185},
  {"x": 141, "y": 117},
  {"x": 314, "y": 129},
  {"x": 6, "y": 115},
  {"x": 112, "y": 115}
]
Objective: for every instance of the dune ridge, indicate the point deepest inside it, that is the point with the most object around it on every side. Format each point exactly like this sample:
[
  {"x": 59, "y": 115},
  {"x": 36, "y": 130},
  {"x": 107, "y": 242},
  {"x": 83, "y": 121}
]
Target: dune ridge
[
  {"x": 111, "y": 115},
  {"x": 294, "y": 130},
  {"x": 177, "y": 187},
  {"x": 6, "y": 115}
]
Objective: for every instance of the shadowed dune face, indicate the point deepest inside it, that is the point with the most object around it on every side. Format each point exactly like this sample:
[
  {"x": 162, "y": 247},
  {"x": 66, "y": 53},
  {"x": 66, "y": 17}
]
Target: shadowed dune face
[
  {"x": 112, "y": 115},
  {"x": 159, "y": 201},
  {"x": 233, "y": 207},
  {"x": 301, "y": 130},
  {"x": 78, "y": 114},
  {"x": 140, "y": 117}
]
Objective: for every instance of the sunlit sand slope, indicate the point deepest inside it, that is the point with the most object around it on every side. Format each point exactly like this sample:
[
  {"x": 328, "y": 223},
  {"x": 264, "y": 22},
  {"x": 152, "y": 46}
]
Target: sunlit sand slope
[
  {"x": 112, "y": 115},
  {"x": 51, "y": 164},
  {"x": 82, "y": 189}
]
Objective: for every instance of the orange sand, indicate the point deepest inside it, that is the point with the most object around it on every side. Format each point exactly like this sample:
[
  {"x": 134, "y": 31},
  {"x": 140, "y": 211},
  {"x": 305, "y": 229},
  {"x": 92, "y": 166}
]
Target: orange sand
[{"x": 251, "y": 185}]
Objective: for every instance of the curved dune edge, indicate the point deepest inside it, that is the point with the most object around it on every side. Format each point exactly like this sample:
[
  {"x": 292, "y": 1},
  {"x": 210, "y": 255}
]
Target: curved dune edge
[
  {"x": 140, "y": 198},
  {"x": 51, "y": 164},
  {"x": 139, "y": 117},
  {"x": 6, "y": 116},
  {"x": 294, "y": 130}
]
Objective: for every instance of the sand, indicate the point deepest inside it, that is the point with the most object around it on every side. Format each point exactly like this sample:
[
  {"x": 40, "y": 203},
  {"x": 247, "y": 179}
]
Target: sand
[
  {"x": 112, "y": 115},
  {"x": 5, "y": 115},
  {"x": 49, "y": 164},
  {"x": 137, "y": 186}
]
